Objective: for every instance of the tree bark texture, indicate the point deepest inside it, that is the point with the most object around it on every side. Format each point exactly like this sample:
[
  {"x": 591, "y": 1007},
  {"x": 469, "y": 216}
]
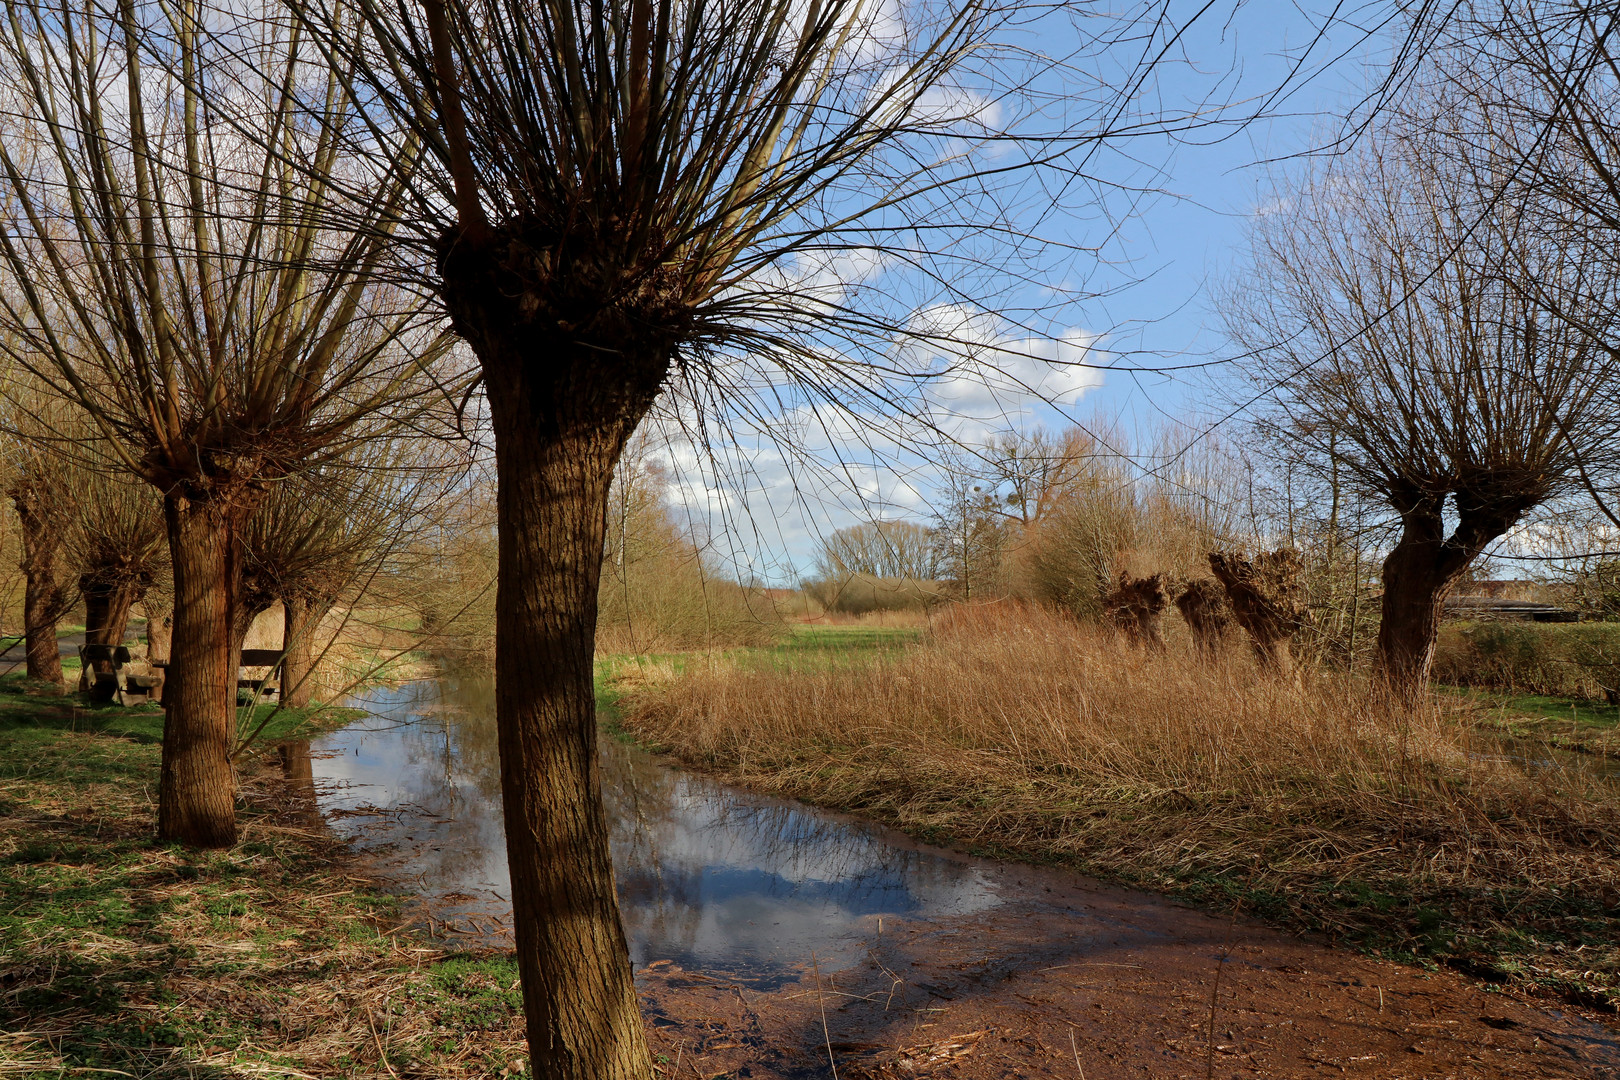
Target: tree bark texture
[
  {"x": 583, "y": 1019},
  {"x": 44, "y": 600},
  {"x": 107, "y": 606},
  {"x": 575, "y": 335},
  {"x": 159, "y": 632},
  {"x": 246, "y": 606},
  {"x": 1420, "y": 572},
  {"x": 300, "y": 618},
  {"x": 197, "y": 795}
]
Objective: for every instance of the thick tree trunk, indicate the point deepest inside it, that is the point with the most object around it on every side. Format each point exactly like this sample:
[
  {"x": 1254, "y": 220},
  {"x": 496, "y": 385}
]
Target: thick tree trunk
[
  {"x": 572, "y": 361},
  {"x": 1419, "y": 574},
  {"x": 42, "y": 610},
  {"x": 248, "y": 605},
  {"x": 44, "y": 600},
  {"x": 107, "y": 607},
  {"x": 299, "y": 621},
  {"x": 159, "y": 632},
  {"x": 555, "y": 450},
  {"x": 197, "y": 795}
]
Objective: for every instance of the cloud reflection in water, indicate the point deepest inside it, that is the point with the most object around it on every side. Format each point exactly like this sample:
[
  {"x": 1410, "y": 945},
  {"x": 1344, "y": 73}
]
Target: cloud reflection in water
[{"x": 713, "y": 878}]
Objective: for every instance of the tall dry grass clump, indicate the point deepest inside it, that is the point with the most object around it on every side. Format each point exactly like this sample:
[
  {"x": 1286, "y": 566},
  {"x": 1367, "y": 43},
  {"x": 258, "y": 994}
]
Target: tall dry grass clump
[{"x": 1023, "y": 732}]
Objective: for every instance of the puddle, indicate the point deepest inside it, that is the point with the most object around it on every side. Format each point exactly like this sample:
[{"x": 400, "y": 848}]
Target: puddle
[
  {"x": 712, "y": 878},
  {"x": 1552, "y": 759}
]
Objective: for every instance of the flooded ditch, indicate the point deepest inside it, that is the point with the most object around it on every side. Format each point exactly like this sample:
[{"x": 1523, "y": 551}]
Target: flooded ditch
[
  {"x": 772, "y": 940},
  {"x": 709, "y": 877}
]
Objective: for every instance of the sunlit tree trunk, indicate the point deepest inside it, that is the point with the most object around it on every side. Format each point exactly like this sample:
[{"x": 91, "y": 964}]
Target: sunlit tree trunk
[
  {"x": 1416, "y": 584},
  {"x": 197, "y": 795},
  {"x": 43, "y": 599},
  {"x": 300, "y": 618},
  {"x": 107, "y": 607},
  {"x": 560, "y": 424},
  {"x": 1420, "y": 572},
  {"x": 159, "y": 631},
  {"x": 247, "y": 604}
]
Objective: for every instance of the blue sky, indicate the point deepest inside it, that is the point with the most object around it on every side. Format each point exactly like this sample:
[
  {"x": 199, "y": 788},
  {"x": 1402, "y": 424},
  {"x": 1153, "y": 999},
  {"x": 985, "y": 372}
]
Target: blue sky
[{"x": 1155, "y": 301}]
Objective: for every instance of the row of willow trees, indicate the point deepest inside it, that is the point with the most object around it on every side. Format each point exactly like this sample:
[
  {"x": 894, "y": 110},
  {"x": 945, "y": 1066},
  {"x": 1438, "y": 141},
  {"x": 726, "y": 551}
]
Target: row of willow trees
[{"x": 93, "y": 537}]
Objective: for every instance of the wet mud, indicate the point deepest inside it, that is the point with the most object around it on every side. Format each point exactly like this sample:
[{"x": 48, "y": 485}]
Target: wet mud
[{"x": 1085, "y": 980}]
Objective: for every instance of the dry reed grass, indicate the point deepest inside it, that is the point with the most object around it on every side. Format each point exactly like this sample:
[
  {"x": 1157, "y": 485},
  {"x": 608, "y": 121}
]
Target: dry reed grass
[{"x": 1020, "y": 732}]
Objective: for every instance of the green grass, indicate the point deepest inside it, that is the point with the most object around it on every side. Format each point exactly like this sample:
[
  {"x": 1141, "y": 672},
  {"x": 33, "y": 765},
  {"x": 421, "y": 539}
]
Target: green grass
[
  {"x": 804, "y": 647},
  {"x": 849, "y": 637},
  {"x": 123, "y": 955},
  {"x": 27, "y": 703},
  {"x": 1587, "y": 713},
  {"x": 1576, "y": 725}
]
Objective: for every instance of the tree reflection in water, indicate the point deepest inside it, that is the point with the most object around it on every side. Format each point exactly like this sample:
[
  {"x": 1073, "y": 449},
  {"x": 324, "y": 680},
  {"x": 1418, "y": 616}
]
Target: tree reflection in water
[{"x": 712, "y": 878}]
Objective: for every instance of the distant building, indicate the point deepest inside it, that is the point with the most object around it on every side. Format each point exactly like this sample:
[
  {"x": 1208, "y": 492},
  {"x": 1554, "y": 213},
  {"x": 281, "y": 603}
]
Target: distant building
[
  {"x": 1519, "y": 601},
  {"x": 1503, "y": 589}
]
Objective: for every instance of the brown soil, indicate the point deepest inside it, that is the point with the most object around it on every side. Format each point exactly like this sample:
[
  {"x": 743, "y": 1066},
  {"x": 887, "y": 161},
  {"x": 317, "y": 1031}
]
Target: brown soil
[{"x": 1085, "y": 980}]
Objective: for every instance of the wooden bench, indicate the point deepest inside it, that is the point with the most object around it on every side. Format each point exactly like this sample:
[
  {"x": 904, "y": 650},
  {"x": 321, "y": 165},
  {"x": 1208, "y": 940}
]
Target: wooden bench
[
  {"x": 261, "y": 658},
  {"x": 117, "y": 683}
]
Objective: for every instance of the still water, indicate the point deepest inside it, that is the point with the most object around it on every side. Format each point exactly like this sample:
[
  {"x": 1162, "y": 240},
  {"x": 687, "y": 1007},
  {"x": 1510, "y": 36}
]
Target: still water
[{"x": 715, "y": 879}]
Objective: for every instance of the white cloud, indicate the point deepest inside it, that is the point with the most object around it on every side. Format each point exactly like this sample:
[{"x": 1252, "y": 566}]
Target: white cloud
[
  {"x": 766, "y": 491},
  {"x": 940, "y": 107},
  {"x": 989, "y": 376},
  {"x": 823, "y": 276}
]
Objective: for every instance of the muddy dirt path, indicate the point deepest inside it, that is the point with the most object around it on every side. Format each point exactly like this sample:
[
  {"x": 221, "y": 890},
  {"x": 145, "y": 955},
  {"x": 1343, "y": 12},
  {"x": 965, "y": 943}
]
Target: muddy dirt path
[{"x": 1082, "y": 979}]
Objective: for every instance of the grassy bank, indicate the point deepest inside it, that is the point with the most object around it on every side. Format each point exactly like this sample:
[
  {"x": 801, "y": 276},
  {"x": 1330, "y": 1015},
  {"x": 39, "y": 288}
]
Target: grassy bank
[
  {"x": 1579, "y": 661},
  {"x": 1315, "y": 805},
  {"x": 122, "y": 956},
  {"x": 1574, "y": 725}
]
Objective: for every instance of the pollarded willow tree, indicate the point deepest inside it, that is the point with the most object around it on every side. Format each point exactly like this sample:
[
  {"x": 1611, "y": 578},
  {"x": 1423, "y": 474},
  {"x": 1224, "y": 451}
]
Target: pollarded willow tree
[
  {"x": 1411, "y": 320},
  {"x": 116, "y": 540},
  {"x": 42, "y": 516},
  {"x": 337, "y": 533},
  {"x": 169, "y": 279},
  {"x": 635, "y": 197}
]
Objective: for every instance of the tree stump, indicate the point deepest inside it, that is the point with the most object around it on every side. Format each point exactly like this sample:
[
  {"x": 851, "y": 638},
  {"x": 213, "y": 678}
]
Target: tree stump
[
  {"x": 1135, "y": 607},
  {"x": 1268, "y": 601}
]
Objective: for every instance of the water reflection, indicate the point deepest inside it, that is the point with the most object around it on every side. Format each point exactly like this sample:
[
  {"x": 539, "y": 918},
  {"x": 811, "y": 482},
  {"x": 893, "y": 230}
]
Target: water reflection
[{"x": 712, "y": 878}]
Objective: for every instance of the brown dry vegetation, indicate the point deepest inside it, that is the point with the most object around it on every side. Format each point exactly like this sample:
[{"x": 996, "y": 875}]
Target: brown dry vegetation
[{"x": 1019, "y": 732}]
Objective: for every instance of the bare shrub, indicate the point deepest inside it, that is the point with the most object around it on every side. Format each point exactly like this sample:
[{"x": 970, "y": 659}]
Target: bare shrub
[
  {"x": 861, "y": 594},
  {"x": 1100, "y": 512},
  {"x": 884, "y": 549},
  {"x": 659, "y": 591}
]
